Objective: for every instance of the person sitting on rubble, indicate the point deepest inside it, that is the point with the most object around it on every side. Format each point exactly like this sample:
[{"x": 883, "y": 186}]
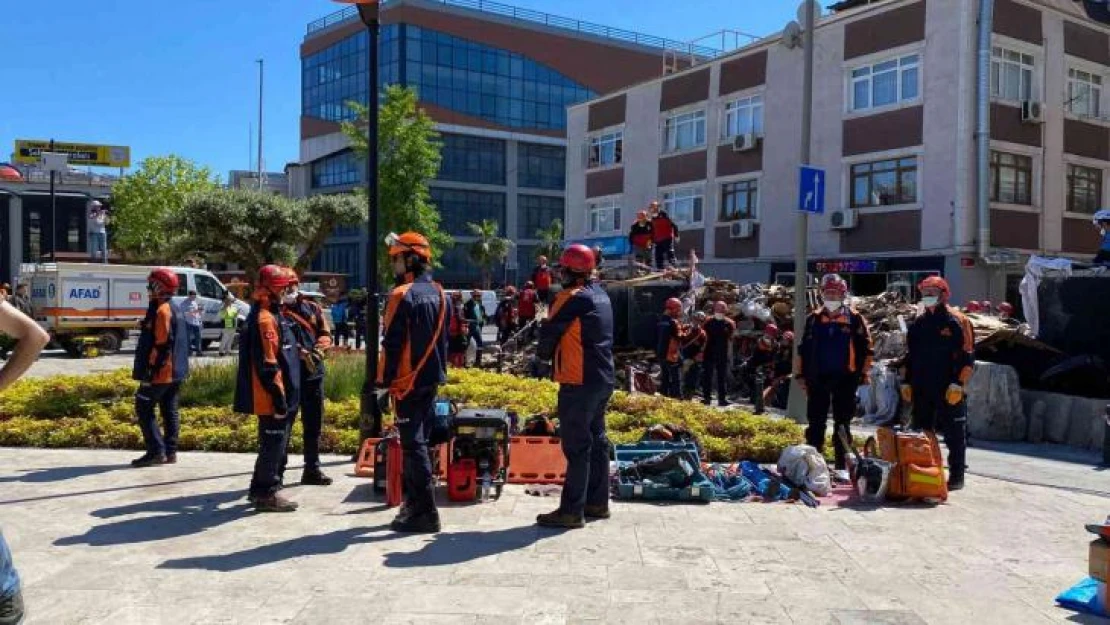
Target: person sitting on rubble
[
  {"x": 1102, "y": 222},
  {"x": 693, "y": 350},
  {"x": 639, "y": 236},
  {"x": 506, "y": 315},
  {"x": 667, "y": 352}
]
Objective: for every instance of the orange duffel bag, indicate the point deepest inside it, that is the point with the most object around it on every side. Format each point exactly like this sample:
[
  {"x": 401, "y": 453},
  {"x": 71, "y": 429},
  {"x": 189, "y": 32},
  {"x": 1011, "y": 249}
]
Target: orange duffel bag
[{"x": 918, "y": 471}]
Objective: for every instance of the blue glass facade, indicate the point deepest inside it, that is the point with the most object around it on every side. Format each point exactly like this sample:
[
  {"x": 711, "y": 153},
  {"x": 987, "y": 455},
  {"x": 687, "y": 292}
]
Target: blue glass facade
[
  {"x": 535, "y": 212},
  {"x": 338, "y": 74},
  {"x": 342, "y": 258},
  {"x": 472, "y": 159},
  {"x": 337, "y": 170},
  {"x": 541, "y": 166},
  {"x": 458, "y": 207}
]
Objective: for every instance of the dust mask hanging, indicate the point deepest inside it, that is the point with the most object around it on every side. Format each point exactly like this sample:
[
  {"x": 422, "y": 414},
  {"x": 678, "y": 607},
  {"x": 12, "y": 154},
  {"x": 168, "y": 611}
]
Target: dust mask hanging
[{"x": 833, "y": 305}]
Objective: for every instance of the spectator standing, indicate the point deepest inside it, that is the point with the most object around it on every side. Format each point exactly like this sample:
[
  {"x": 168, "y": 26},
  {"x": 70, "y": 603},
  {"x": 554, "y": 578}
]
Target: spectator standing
[
  {"x": 229, "y": 315},
  {"x": 339, "y": 318},
  {"x": 640, "y": 237},
  {"x": 21, "y": 300},
  {"x": 664, "y": 237},
  {"x": 98, "y": 232},
  {"x": 194, "y": 319},
  {"x": 356, "y": 317},
  {"x": 476, "y": 318},
  {"x": 458, "y": 335}
]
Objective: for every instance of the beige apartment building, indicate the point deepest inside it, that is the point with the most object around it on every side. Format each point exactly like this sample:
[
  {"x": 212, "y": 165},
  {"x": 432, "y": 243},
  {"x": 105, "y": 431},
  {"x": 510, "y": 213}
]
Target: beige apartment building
[{"x": 896, "y": 102}]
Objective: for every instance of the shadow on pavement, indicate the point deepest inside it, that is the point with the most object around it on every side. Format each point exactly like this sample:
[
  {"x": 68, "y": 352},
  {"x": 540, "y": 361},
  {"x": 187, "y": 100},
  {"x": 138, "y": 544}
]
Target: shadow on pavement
[
  {"x": 59, "y": 474},
  {"x": 321, "y": 544},
  {"x": 447, "y": 549},
  {"x": 184, "y": 516}
]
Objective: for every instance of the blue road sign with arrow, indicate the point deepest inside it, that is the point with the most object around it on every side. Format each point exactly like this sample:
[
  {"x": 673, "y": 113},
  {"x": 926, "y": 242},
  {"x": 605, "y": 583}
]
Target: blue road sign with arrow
[{"x": 811, "y": 190}]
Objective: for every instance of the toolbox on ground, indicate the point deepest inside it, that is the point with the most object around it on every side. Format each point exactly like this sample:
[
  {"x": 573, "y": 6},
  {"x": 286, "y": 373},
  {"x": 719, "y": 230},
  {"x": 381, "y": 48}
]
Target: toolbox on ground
[{"x": 634, "y": 485}]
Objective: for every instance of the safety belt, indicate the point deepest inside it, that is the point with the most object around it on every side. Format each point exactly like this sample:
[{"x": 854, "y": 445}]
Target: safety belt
[{"x": 402, "y": 386}]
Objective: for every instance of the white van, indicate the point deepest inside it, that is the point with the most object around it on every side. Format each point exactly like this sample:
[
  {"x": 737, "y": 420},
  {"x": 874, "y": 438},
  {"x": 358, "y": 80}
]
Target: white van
[{"x": 79, "y": 300}]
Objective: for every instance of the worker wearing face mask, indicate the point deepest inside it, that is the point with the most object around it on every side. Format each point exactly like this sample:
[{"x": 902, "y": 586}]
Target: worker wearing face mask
[
  {"x": 938, "y": 363},
  {"x": 835, "y": 356}
]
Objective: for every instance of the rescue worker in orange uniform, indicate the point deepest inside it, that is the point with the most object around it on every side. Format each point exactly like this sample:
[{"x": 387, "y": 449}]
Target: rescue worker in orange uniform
[
  {"x": 718, "y": 332},
  {"x": 693, "y": 353},
  {"x": 939, "y": 359},
  {"x": 526, "y": 309},
  {"x": 414, "y": 364},
  {"x": 313, "y": 335},
  {"x": 835, "y": 354},
  {"x": 578, "y": 337},
  {"x": 268, "y": 384},
  {"x": 541, "y": 277},
  {"x": 161, "y": 365},
  {"x": 667, "y": 347}
]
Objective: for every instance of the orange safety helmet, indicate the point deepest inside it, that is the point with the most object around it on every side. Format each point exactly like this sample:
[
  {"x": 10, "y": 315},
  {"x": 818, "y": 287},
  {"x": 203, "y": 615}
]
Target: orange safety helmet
[
  {"x": 577, "y": 258},
  {"x": 164, "y": 281},
  {"x": 673, "y": 305},
  {"x": 720, "y": 308},
  {"x": 939, "y": 283},
  {"x": 410, "y": 242},
  {"x": 974, "y": 307},
  {"x": 274, "y": 278}
]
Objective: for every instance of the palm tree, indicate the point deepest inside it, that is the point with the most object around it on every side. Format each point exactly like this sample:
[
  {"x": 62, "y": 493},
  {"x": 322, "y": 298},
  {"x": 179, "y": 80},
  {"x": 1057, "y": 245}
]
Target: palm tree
[
  {"x": 551, "y": 240},
  {"x": 489, "y": 249}
]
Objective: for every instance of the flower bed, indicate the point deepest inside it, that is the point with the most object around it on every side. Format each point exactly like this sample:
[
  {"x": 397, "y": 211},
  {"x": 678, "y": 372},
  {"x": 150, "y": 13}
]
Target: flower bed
[{"x": 98, "y": 411}]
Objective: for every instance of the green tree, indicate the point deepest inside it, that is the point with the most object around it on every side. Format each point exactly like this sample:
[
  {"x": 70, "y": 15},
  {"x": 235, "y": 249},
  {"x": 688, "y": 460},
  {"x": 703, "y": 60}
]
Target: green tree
[
  {"x": 252, "y": 228},
  {"x": 143, "y": 202},
  {"x": 408, "y": 157},
  {"x": 551, "y": 240},
  {"x": 489, "y": 248}
]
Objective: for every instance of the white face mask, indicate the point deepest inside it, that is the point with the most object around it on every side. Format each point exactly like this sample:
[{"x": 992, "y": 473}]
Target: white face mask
[
  {"x": 719, "y": 316},
  {"x": 929, "y": 302},
  {"x": 833, "y": 305},
  {"x": 289, "y": 298}
]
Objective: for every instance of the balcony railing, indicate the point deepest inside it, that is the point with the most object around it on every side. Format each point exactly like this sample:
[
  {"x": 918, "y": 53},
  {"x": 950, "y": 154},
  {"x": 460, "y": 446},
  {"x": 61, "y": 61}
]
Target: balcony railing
[{"x": 539, "y": 17}]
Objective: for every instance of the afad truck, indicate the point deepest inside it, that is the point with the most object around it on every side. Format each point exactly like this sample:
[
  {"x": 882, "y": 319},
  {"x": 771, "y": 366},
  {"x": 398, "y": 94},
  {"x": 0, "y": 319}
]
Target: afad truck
[{"x": 81, "y": 304}]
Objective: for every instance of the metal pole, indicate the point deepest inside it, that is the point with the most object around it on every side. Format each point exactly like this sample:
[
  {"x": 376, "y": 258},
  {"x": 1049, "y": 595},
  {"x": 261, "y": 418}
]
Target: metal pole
[
  {"x": 796, "y": 406},
  {"x": 259, "y": 163},
  {"x": 371, "y": 416},
  {"x": 53, "y": 214}
]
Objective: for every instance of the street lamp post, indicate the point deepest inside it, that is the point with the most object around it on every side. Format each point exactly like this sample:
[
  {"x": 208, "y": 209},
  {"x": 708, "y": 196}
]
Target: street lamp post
[{"x": 370, "y": 415}]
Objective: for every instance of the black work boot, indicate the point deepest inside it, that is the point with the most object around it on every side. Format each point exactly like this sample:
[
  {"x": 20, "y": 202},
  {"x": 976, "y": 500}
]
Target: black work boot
[
  {"x": 11, "y": 609},
  {"x": 560, "y": 520},
  {"x": 955, "y": 481},
  {"x": 315, "y": 477},
  {"x": 148, "y": 460},
  {"x": 171, "y": 459},
  {"x": 596, "y": 512},
  {"x": 422, "y": 523},
  {"x": 274, "y": 503}
]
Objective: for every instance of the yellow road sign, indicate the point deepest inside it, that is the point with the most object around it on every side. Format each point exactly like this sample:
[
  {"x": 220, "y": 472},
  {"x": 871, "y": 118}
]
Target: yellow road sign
[{"x": 30, "y": 151}]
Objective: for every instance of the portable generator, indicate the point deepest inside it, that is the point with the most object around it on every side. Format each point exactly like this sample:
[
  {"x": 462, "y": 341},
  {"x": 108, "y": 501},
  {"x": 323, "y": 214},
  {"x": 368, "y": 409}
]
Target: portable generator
[{"x": 479, "y": 456}]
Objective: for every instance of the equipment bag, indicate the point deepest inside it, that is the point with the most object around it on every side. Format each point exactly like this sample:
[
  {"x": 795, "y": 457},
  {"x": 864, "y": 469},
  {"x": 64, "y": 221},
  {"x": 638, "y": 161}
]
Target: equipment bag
[{"x": 918, "y": 471}]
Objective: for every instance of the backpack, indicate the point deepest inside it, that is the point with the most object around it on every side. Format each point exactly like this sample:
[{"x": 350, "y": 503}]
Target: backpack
[{"x": 918, "y": 471}]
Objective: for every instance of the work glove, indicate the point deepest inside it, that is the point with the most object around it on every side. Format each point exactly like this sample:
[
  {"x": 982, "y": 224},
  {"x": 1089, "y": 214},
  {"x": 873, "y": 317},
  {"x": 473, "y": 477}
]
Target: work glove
[
  {"x": 954, "y": 395},
  {"x": 907, "y": 393}
]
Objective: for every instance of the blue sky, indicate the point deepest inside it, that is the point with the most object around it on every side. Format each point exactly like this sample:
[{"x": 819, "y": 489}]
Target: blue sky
[{"x": 180, "y": 77}]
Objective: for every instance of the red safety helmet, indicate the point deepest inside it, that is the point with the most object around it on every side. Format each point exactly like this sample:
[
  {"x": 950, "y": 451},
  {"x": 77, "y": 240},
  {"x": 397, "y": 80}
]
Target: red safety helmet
[
  {"x": 529, "y": 285},
  {"x": 510, "y": 291},
  {"x": 986, "y": 306},
  {"x": 164, "y": 281},
  {"x": 833, "y": 282},
  {"x": 274, "y": 278},
  {"x": 771, "y": 330},
  {"x": 974, "y": 307},
  {"x": 410, "y": 242},
  {"x": 788, "y": 337},
  {"x": 576, "y": 258},
  {"x": 673, "y": 305},
  {"x": 1006, "y": 308},
  {"x": 720, "y": 308},
  {"x": 542, "y": 259},
  {"x": 937, "y": 282}
]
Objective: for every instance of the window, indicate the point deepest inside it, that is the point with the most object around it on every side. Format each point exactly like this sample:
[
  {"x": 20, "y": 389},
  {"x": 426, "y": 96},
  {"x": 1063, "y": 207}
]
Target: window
[
  {"x": 338, "y": 74},
  {"x": 744, "y": 116},
  {"x": 603, "y": 217},
  {"x": 1084, "y": 189},
  {"x": 458, "y": 207},
  {"x": 739, "y": 200},
  {"x": 684, "y": 205},
  {"x": 472, "y": 159},
  {"x": 606, "y": 149},
  {"x": 182, "y": 285},
  {"x": 536, "y": 212},
  {"x": 541, "y": 166},
  {"x": 496, "y": 85},
  {"x": 1011, "y": 178},
  {"x": 684, "y": 131},
  {"x": 1084, "y": 93},
  {"x": 207, "y": 286},
  {"x": 1011, "y": 74},
  {"x": 884, "y": 183},
  {"x": 886, "y": 83},
  {"x": 337, "y": 170},
  {"x": 345, "y": 258}
]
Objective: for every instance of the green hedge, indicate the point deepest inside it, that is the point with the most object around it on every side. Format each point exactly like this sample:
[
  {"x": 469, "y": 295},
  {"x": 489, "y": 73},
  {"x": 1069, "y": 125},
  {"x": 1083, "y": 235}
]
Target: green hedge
[{"x": 97, "y": 411}]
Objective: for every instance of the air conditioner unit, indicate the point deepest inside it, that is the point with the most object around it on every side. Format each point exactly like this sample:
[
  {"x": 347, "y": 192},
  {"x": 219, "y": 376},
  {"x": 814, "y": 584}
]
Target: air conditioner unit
[
  {"x": 844, "y": 219},
  {"x": 1032, "y": 112},
  {"x": 743, "y": 143},
  {"x": 743, "y": 229}
]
